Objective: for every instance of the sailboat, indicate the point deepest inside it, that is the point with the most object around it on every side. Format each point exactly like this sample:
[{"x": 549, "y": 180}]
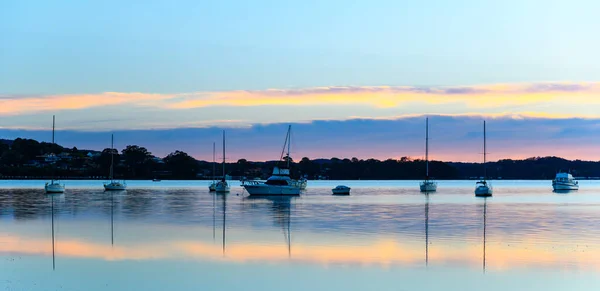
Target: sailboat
[
  {"x": 213, "y": 185},
  {"x": 483, "y": 188},
  {"x": 280, "y": 182},
  {"x": 113, "y": 185},
  {"x": 427, "y": 185},
  {"x": 222, "y": 186},
  {"x": 54, "y": 186}
]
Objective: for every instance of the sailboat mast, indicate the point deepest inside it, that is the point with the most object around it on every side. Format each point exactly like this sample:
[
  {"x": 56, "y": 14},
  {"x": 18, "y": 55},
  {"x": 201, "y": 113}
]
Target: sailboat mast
[
  {"x": 427, "y": 148},
  {"x": 484, "y": 153},
  {"x": 289, "y": 141},
  {"x": 53, "y": 125},
  {"x": 223, "y": 155},
  {"x": 112, "y": 149}
]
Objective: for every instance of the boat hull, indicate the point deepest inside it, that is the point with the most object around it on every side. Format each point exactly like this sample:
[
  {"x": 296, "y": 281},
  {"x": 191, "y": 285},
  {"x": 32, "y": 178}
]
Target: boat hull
[
  {"x": 564, "y": 186},
  {"x": 340, "y": 191},
  {"x": 54, "y": 188},
  {"x": 428, "y": 186},
  {"x": 115, "y": 187},
  {"x": 212, "y": 187},
  {"x": 484, "y": 191},
  {"x": 271, "y": 190},
  {"x": 222, "y": 189}
]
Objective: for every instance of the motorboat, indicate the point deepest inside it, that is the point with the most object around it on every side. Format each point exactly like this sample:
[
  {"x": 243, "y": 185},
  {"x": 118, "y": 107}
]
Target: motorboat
[
  {"x": 54, "y": 186},
  {"x": 113, "y": 185},
  {"x": 427, "y": 185},
  {"x": 483, "y": 188},
  {"x": 222, "y": 186},
  {"x": 341, "y": 190},
  {"x": 564, "y": 181},
  {"x": 280, "y": 182}
]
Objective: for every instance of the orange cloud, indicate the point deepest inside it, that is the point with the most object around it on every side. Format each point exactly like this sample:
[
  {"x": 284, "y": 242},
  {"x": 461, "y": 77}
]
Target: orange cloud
[{"x": 543, "y": 99}]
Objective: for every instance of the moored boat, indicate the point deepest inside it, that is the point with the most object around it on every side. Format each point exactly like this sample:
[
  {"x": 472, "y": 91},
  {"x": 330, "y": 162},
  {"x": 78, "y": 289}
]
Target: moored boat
[
  {"x": 54, "y": 186},
  {"x": 280, "y": 183},
  {"x": 427, "y": 185},
  {"x": 483, "y": 188},
  {"x": 222, "y": 186},
  {"x": 341, "y": 190},
  {"x": 564, "y": 181},
  {"x": 113, "y": 185}
]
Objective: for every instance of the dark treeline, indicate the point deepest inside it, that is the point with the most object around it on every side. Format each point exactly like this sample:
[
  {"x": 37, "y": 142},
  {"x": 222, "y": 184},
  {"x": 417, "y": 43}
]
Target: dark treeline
[{"x": 26, "y": 158}]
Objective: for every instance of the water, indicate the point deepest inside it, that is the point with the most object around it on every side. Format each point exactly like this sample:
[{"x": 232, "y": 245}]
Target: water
[{"x": 175, "y": 235}]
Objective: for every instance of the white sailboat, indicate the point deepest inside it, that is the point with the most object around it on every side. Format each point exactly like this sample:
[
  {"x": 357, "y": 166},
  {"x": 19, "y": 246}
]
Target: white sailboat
[
  {"x": 483, "y": 188},
  {"x": 280, "y": 182},
  {"x": 54, "y": 186},
  {"x": 213, "y": 185},
  {"x": 427, "y": 185},
  {"x": 222, "y": 186},
  {"x": 113, "y": 185}
]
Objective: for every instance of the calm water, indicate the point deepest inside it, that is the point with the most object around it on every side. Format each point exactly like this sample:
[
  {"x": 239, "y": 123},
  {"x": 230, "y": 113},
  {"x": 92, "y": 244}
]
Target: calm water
[{"x": 175, "y": 235}]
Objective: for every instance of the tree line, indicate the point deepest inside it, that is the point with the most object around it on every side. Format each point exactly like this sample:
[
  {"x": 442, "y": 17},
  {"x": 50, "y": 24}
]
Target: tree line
[{"x": 30, "y": 158}]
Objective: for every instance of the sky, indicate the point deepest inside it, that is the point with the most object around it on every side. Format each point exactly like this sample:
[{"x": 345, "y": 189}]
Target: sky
[{"x": 356, "y": 79}]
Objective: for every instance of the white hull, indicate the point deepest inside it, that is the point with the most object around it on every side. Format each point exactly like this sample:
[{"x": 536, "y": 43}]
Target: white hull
[
  {"x": 565, "y": 186},
  {"x": 222, "y": 188},
  {"x": 274, "y": 190},
  {"x": 484, "y": 191},
  {"x": 428, "y": 186},
  {"x": 115, "y": 186},
  {"x": 54, "y": 188}
]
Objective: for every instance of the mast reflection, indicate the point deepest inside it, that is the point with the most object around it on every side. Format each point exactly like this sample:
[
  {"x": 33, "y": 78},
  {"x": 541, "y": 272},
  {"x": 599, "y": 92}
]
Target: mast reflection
[
  {"x": 484, "y": 230},
  {"x": 53, "y": 197},
  {"x": 427, "y": 229}
]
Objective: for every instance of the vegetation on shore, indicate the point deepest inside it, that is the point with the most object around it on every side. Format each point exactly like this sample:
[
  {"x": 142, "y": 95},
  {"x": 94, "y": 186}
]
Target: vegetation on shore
[{"x": 27, "y": 158}]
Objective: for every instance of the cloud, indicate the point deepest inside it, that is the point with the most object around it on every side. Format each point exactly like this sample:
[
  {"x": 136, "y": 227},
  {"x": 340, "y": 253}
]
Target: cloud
[
  {"x": 467, "y": 97},
  {"x": 454, "y": 138}
]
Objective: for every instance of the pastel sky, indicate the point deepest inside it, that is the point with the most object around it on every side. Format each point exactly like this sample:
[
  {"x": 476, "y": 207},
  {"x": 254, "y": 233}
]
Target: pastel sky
[{"x": 356, "y": 79}]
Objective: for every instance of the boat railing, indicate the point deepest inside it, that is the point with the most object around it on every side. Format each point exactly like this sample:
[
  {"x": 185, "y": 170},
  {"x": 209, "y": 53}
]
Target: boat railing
[{"x": 250, "y": 182}]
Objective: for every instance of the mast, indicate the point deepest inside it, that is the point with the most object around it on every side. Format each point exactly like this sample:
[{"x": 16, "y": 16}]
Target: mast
[
  {"x": 427, "y": 148},
  {"x": 112, "y": 149},
  {"x": 286, "y": 143},
  {"x": 289, "y": 141},
  {"x": 223, "y": 155},
  {"x": 214, "y": 163},
  {"x": 484, "y": 153},
  {"x": 53, "y": 124}
]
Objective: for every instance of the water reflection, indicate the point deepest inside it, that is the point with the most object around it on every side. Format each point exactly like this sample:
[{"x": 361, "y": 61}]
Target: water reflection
[
  {"x": 484, "y": 229},
  {"x": 281, "y": 209},
  {"x": 379, "y": 231},
  {"x": 426, "y": 229},
  {"x": 53, "y": 197}
]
